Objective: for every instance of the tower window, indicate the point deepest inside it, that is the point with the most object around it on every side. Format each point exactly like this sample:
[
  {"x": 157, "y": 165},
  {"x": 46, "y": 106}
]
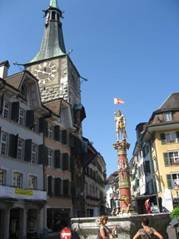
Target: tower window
[{"x": 53, "y": 15}]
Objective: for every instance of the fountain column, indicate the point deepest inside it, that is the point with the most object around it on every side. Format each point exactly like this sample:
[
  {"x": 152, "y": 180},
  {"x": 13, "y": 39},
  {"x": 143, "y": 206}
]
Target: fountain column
[{"x": 121, "y": 146}]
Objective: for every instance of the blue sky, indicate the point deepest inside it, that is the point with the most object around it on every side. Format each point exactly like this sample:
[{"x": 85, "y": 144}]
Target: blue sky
[{"x": 125, "y": 48}]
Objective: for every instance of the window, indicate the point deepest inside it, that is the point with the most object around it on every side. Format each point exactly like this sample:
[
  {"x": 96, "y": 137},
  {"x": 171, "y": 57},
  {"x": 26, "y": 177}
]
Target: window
[
  {"x": 173, "y": 180},
  {"x": 36, "y": 125},
  {"x": 32, "y": 182},
  {"x": 2, "y": 177},
  {"x": 20, "y": 148},
  {"x": 6, "y": 110},
  {"x": 50, "y": 131},
  {"x": 66, "y": 188},
  {"x": 34, "y": 157},
  {"x": 4, "y": 143},
  {"x": 167, "y": 116},
  {"x": 53, "y": 15},
  {"x": 21, "y": 116},
  {"x": 171, "y": 158},
  {"x": 50, "y": 157},
  {"x": 17, "y": 180},
  {"x": 169, "y": 137}
]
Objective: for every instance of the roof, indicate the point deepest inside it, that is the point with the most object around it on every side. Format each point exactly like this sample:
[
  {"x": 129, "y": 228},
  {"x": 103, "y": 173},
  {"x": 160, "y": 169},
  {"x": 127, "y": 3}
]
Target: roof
[
  {"x": 53, "y": 3},
  {"x": 111, "y": 177},
  {"x": 15, "y": 80},
  {"x": 171, "y": 102},
  {"x": 54, "y": 106},
  {"x": 52, "y": 44}
]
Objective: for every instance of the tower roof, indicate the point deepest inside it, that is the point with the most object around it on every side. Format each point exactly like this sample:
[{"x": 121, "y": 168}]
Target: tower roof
[
  {"x": 52, "y": 44},
  {"x": 54, "y": 3}
]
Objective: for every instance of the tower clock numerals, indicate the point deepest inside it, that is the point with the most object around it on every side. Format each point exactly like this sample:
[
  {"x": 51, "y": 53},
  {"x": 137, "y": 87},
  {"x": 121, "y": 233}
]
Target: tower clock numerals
[{"x": 45, "y": 72}]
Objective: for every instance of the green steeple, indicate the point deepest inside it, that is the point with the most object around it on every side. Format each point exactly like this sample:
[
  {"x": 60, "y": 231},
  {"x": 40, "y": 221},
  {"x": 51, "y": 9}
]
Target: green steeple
[
  {"x": 53, "y": 3},
  {"x": 52, "y": 44}
]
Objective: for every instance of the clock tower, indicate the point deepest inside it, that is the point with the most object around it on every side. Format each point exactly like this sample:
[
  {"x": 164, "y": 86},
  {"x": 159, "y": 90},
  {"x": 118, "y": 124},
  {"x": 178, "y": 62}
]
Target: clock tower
[{"x": 52, "y": 66}]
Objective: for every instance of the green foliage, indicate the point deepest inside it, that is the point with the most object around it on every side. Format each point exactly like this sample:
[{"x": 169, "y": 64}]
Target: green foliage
[{"x": 175, "y": 213}]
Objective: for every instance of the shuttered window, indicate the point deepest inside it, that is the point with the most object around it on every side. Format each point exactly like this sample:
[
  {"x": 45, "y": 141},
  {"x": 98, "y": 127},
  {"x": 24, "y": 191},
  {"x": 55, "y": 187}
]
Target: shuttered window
[
  {"x": 13, "y": 145},
  {"x": 30, "y": 119},
  {"x": 15, "y": 111},
  {"x": 166, "y": 159},
  {"x": 43, "y": 155},
  {"x": 28, "y": 150},
  {"x": 162, "y": 138},
  {"x": 43, "y": 126},
  {"x": 57, "y": 133},
  {"x": 4, "y": 143},
  {"x": 57, "y": 187},
  {"x": 1, "y": 103},
  {"x": 65, "y": 161},
  {"x": 20, "y": 148},
  {"x": 65, "y": 188},
  {"x": 57, "y": 163},
  {"x": 49, "y": 190},
  {"x": 64, "y": 137}
]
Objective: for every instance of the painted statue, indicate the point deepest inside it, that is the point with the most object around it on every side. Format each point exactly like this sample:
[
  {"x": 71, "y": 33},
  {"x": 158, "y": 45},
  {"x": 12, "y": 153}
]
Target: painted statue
[{"x": 120, "y": 125}]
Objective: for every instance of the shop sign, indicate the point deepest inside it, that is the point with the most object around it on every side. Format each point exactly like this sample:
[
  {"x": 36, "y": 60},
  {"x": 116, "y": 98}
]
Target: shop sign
[{"x": 23, "y": 192}]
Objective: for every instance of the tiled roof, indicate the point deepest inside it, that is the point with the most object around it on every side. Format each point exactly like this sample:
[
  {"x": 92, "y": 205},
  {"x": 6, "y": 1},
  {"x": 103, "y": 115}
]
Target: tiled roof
[
  {"x": 171, "y": 102},
  {"x": 54, "y": 106},
  {"x": 15, "y": 80}
]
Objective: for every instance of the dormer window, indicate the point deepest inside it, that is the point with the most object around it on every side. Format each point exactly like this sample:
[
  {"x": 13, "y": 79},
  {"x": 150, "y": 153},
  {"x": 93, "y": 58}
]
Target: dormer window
[{"x": 167, "y": 116}]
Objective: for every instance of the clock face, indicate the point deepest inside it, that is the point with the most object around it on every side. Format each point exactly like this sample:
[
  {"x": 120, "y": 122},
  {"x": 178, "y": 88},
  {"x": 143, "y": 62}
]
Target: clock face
[{"x": 45, "y": 72}]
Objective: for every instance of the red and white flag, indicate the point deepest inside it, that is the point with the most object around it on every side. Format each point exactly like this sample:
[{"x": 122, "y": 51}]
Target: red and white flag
[{"x": 118, "y": 101}]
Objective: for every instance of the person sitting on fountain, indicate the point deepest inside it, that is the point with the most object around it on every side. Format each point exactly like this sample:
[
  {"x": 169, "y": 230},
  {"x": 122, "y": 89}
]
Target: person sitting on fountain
[
  {"x": 105, "y": 232},
  {"x": 146, "y": 231}
]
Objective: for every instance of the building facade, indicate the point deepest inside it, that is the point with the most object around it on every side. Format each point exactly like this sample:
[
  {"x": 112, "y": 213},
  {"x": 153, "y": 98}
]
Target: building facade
[
  {"x": 48, "y": 171},
  {"x": 22, "y": 195},
  {"x": 156, "y": 152}
]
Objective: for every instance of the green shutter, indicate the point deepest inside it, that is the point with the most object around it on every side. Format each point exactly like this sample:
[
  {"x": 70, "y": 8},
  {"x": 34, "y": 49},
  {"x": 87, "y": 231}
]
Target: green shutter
[
  {"x": 13, "y": 145},
  {"x": 169, "y": 181},
  {"x": 30, "y": 119},
  {"x": 162, "y": 138},
  {"x": 15, "y": 111},
  {"x": 166, "y": 159},
  {"x": 28, "y": 150},
  {"x": 57, "y": 133},
  {"x": 57, "y": 158}
]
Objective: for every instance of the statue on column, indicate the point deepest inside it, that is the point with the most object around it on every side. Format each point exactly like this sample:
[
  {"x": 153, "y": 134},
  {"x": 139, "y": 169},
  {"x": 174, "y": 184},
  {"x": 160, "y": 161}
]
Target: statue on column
[{"x": 120, "y": 126}]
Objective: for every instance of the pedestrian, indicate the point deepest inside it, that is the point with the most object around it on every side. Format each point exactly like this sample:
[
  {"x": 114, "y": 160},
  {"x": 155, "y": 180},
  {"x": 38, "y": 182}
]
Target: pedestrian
[
  {"x": 147, "y": 232},
  {"x": 75, "y": 234},
  {"x": 147, "y": 205},
  {"x": 104, "y": 232}
]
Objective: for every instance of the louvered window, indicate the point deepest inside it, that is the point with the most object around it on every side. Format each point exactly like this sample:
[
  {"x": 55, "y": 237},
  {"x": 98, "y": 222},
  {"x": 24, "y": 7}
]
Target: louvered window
[
  {"x": 2, "y": 177},
  {"x": 50, "y": 158},
  {"x": 6, "y": 109},
  {"x": 4, "y": 143},
  {"x": 20, "y": 149}
]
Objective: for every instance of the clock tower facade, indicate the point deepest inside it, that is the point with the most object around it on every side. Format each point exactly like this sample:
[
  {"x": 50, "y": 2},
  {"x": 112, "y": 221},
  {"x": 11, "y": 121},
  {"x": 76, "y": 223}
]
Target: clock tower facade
[{"x": 52, "y": 66}]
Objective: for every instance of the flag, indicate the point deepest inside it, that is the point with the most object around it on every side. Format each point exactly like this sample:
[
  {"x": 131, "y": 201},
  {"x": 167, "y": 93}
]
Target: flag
[{"x": 118, "y": 101}]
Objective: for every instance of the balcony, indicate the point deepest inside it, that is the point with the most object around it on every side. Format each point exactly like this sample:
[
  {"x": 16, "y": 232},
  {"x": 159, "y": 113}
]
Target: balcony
[{"x": 22, "y": 194}]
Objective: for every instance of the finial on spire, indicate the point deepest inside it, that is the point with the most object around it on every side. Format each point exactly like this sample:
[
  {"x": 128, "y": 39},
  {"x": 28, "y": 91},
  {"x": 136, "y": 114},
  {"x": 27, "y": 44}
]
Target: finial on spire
[{"x": 54, "y": 3}]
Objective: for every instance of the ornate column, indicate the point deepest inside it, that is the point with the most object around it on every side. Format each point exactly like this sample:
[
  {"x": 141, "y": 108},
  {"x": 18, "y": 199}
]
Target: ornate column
[{"x": 122, "y": 146}]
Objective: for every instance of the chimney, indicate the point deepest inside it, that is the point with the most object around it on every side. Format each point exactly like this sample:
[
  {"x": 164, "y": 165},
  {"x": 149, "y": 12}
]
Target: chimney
[{"x": 4, "y": 66}]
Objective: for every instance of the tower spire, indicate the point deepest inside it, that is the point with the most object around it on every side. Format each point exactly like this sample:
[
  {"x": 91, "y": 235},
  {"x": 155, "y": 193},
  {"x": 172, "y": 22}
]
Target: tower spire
[
  {"x": 54, "y": 3},
  {"x": 52, "y": 44}
]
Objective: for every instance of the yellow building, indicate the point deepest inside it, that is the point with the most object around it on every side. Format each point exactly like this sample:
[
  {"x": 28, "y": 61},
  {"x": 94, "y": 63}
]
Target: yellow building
[{"x": 160, "y": 137}]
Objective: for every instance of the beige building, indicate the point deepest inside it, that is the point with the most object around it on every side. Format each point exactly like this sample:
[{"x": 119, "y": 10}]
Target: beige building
[{"x": 158, "y": 148}]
